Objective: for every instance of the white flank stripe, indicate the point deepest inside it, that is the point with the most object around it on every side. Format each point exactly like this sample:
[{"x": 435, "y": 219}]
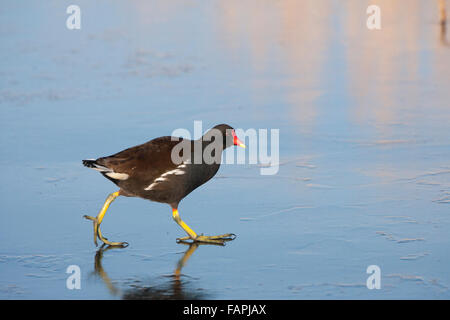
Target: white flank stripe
[{"x": 177, "y": 171}]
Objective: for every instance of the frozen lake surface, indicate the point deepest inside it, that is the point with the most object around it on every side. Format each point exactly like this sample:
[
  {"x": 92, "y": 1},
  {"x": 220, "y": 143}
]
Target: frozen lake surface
[{"x": 364, "y": 120}]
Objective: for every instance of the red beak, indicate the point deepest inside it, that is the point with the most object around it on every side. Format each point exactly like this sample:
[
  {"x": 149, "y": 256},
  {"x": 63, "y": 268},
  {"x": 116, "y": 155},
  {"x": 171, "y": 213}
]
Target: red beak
[{"x": 236, "y": 140}]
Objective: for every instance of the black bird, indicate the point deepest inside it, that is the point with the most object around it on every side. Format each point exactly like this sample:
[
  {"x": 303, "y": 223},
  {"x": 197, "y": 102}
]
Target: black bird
[{"x": 166, "y": 170}]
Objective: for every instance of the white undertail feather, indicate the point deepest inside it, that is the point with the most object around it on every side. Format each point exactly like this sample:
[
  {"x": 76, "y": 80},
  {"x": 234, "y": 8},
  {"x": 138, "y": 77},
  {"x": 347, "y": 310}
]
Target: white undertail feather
[
  {"x": 101, "y": 168},
  {"x": 117, "y": 176},
  {"x": 109, "y": 172}
]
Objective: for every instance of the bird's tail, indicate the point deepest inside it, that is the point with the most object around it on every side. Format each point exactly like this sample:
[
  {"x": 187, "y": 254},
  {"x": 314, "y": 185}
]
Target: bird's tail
[{"x": 90, "y": 163}]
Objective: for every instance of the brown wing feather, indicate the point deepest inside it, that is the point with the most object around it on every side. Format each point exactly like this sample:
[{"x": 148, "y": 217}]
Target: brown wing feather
[{"x": 150, "y": 159}]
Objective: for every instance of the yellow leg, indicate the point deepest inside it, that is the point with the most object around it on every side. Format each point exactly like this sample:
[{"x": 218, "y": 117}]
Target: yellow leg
[
  {"x": 220, "y": 239},
  {"x": 98, "y": 220}
]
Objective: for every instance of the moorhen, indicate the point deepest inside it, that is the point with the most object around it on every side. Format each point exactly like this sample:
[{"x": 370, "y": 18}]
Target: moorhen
[{"x": 166, "y": 170}]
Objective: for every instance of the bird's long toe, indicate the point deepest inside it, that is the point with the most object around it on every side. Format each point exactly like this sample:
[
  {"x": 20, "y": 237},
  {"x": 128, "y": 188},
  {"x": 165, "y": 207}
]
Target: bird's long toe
[
  {"x": 111, "y": 243},
  {"x": 218, "y": 240},
  {"x": 96, "y": 227},
  {"x": 98, "y": 234}
]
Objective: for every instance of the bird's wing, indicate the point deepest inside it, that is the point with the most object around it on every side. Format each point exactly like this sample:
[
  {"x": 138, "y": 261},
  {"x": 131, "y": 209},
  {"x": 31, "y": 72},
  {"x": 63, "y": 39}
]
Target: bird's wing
[{"x": 144, "y": 162}]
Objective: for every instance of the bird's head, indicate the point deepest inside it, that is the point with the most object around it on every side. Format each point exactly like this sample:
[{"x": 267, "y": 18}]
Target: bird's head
[{"x": 228, "y": 135}]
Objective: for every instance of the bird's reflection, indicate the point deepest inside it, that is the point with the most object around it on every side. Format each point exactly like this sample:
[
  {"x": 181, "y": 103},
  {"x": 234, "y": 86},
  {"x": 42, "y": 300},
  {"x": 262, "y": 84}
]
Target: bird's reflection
[
  {"x": 176, "y": 287},
  {"x": 443, "y": 22},
  {"x": 98, "y": 268}
]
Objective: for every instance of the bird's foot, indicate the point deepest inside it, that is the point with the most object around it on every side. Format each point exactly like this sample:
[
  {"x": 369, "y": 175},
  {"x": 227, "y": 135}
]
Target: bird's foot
[
  {"x": 98, "y": 234},
  {"x": 218, "y": 240}
]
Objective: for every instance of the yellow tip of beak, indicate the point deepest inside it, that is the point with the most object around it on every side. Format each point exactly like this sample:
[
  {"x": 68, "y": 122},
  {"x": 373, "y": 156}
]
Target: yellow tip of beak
[{"x": 242, "y": 145}]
